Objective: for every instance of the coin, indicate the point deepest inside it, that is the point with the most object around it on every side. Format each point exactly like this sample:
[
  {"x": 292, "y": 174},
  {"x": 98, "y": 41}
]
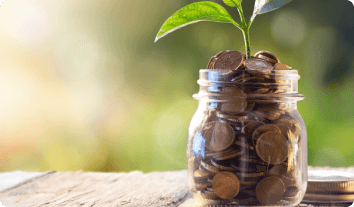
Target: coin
[
  {"x": 232, "y": 60},
  {"x": 231, "y": 155},
  {"x": 267, "y": 56},
  {"x": 285, "y": 131},
  {"x": 199, "y": 174},
  {"x": 201, "y": 186},
  {"x": 212, "y": 62},
  {"x": 270, "y": 190},
  {"x": 281, "y": 66},
  {"x": 209, "y": 167},
  {"x": 234, "y": 107},
  {"x": 208, "y": 194},
  {"x": 256, "y": 65},
  {"x": 252, "y": 160},
  {"x": 323, "y": 181},
  {"x": 291, "y": 193},
  {"x": 272, "y": 147},
  {"x": 226, "y": 184},
  {"x": 251, "y": 175},
  {"x": 261, "y": 91},
  {"x": 233, "y": 118},
  {"x": 283, "y": 172},
  {"x": 243, "y": 144},
  {"x": 220, "y": 137},
  {"x": 251, "y": 127},
  {"x": 263, "y": 129},
  {"x": 327, "y": 198},
  {"x": 221, "y": 166},
  {"x": 291, "y": 123},
  {"x": 215, "y": 154}
]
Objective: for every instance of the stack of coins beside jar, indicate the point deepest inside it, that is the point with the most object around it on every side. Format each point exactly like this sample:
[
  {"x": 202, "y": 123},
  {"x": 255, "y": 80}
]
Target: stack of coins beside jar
[
  {"x": 328, "y": 186},
  {"x": 247, "y": 143}
]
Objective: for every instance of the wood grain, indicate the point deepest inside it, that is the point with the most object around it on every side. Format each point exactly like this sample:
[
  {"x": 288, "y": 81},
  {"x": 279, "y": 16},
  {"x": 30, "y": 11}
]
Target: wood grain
[{"x": 134, "y": 189}]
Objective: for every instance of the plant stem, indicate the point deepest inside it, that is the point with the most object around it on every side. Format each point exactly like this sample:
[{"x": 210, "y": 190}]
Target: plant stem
[
  {"x": 247, "y": 42},
  {"x": 245, "y": 31}
]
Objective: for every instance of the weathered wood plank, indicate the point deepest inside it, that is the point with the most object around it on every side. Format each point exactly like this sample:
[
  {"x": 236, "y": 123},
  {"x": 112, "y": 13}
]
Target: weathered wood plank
[
  {"x": 100, "y": 189},
  {"x": 8, "y": 179},
  {"x": 107, "y": 189}
]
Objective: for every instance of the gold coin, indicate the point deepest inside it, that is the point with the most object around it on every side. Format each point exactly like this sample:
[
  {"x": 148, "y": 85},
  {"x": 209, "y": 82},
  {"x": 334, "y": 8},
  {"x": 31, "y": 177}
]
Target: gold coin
[
  {"x": 244, "y": 77},
  {"x": 328, "y": 198},
  {"x": 252, "y": 160},
  {"x": 201, "y": 186},
  {"x": 270, "y": 190},
  {"x": 250, "y": 106},
  {"x": 231, "y": 155},
  {"x": 263, "y": 129},
  {"x": 267, "y": 56},
  {"x": 281, "y": 66},
  {"x": 233, "y": 118},
  {"x": 283, "y": 172},
  {"x": 226, "y": 184},
  {"x": 199, "y": 174},
  {"x": 286, "y": 132},
  {"x": 219, "y": 137},
  {"x": 221, "y": 166},
  {"x": 251, "y": 175},
  {"x": 258, "y": 66},
  {"x": 233, "y": 91},
  {"x": 231, "y": 60},
  {"x": 291, "y": 123},
  {"x": 208, "y": 194},
  {"x": 215, "y": 154},
  {"x": 258, "y": 115},
  {"x": 272, "y": 148},
  {"x": 244, "y": 145},
  {"x": 234, "y": 107},
  {"x": 246, "y": 184},
  {"x": 221, "y": 53},
  {"x": 251, "y": 127},
  {"x": 210, "y": 167},
  {"x": 261, "y": 91},
  {"x": 291, "y": 193},
  {"x": 212, "y": 62},
  {"x": 323, "y": 181}
]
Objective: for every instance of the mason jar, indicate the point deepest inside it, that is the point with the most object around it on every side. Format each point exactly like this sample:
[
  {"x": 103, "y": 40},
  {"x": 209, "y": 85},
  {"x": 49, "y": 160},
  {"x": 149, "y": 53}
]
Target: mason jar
[{"x": 247, "y": 142}]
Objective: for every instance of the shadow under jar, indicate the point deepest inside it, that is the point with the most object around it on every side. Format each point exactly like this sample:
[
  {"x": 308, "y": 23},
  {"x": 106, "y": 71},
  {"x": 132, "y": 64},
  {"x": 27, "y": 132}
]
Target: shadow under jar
[{"x": 247, "y": 143}]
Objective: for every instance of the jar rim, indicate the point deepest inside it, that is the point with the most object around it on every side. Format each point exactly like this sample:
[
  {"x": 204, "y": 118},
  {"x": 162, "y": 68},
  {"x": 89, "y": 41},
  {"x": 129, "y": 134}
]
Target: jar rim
[{"x": 281, "y": 84}]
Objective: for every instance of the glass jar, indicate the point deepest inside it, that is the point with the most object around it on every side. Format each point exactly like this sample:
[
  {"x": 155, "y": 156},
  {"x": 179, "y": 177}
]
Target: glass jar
[{"x": 247, "y": 143}]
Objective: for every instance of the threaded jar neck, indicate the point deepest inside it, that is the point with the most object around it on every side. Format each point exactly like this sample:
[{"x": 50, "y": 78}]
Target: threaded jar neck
[{"x": 270, "y": 85}]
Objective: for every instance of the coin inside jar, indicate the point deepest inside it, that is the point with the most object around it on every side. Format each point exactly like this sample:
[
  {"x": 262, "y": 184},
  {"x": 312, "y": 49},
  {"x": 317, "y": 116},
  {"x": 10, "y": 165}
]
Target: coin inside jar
[
  {"x": 270, "y": 190},
  {"x": 219, "y": 137},
  {"x": 232, "y": 60},
  {"x": 251, "y": 127},
  {"x": 226, "y": 184},
  {"x": 263, "y": 129},
  {"x": 272, "y": 148}
]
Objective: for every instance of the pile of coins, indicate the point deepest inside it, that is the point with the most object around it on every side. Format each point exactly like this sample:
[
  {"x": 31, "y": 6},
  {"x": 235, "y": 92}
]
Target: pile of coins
[
  {"x": 245, "y": 150},
  {"x": 328, "y": 186}
]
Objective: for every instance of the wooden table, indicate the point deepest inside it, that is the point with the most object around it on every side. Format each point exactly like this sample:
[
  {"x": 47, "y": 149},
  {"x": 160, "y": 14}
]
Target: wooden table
[{"x": 134, "y": 189}]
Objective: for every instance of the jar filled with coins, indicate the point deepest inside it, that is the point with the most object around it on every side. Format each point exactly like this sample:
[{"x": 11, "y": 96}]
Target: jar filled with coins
[{"x": 247, "y": 143}]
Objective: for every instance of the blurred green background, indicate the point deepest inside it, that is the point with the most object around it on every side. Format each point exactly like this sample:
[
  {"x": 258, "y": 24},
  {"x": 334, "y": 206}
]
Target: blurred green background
[{"x": 84, "y": 86}]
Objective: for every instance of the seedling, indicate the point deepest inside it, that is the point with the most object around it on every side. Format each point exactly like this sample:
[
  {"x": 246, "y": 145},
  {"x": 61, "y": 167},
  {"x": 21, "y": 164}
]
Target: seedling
[{"x": 210, "y": 11}]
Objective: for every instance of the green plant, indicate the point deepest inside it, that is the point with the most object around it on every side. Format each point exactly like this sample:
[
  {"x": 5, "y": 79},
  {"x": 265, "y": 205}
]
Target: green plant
[{"x": 210, "y": 11}]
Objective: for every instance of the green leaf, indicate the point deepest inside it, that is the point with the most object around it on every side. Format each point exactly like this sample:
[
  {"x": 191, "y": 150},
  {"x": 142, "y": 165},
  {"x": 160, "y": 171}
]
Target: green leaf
[
  {"x": 195, "y": 12},
  {"x": 233, "y": 3},
  {"x": 263, "y": 6}
]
